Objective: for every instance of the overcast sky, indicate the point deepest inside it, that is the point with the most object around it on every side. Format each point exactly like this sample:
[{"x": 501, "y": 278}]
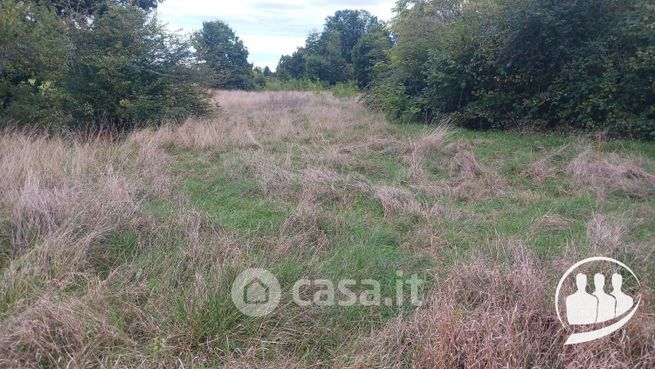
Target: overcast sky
[{"x": 269, "y": 28}]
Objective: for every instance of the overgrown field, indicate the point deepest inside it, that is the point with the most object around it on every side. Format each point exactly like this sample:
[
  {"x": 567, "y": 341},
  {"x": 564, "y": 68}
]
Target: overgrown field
[{"x": 120, "y": 254}]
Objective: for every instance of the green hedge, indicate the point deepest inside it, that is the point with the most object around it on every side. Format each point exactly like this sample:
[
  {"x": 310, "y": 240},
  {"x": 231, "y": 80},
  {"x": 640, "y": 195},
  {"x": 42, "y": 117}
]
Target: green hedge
[{"x": 545, "y": 64}]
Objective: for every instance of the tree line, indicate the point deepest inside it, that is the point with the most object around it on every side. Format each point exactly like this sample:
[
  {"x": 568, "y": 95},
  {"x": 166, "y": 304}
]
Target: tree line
[
  {"x": 502, "y": 64},
  {"x": 350, "y": 45},
  {"x": 109, "y": 64}
]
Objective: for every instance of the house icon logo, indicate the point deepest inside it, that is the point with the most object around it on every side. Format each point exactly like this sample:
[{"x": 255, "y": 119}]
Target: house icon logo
[{"x": 256, "y": 292}]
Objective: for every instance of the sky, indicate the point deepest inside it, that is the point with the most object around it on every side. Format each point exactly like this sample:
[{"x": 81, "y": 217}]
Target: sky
[{"x": 268, "y": 28}]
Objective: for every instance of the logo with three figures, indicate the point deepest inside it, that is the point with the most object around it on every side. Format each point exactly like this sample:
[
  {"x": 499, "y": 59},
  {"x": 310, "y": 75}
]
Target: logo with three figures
[{"x": 597, "y": 314}]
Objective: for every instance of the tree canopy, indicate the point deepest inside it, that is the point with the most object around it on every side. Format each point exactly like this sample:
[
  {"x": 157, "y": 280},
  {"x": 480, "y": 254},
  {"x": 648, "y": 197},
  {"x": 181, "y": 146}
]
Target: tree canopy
[
  {"x": 328, "y": 56},
  {"x": 225, "y": 54},
  {"x": 89, "y": 7},
  {"x": 502, "y": 64}
]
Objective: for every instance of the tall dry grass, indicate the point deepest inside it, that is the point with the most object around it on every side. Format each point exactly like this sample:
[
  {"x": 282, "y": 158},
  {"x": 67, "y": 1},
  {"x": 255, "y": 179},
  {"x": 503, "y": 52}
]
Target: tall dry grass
[
  {"x": 73, "y": 293},
  {"x": 84, "y": 236},
  {"x": 253, "y": 119},
  {"x": 485, "y": 315},
  {"x": 608, "y": 173},
  {"x": 62, "y": 201}
]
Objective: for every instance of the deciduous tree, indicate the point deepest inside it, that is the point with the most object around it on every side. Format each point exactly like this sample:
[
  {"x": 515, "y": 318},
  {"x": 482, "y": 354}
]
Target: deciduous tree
[{"x": 223, "y": 51}]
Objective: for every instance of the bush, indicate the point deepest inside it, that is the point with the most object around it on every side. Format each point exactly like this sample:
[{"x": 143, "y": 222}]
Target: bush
[
  {"x": 346, "y": 89},
  {"x": 34, "y": 61},
  {"x": 120, "y": 71},
  {"x": 516, "y": 63},
  {"x": 128, "y": 71}
]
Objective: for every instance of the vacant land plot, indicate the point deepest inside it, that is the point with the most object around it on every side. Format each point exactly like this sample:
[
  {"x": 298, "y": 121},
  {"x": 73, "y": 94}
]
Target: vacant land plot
[{"x": 122, "y": 253}]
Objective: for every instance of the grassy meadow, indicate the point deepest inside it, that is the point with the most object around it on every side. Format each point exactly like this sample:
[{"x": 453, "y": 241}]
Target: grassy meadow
[{"x": 121, "y": 253}]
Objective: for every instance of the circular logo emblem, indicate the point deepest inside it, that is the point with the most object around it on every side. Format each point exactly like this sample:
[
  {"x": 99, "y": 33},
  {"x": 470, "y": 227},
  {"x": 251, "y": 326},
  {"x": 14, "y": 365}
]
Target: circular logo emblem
[
  {"x": 599, "y": 299},
  {"x": 256, "y": 292}
]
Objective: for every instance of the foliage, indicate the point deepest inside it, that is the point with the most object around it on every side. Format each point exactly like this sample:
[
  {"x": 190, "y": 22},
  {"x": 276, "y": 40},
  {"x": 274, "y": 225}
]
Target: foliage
[
  {"x": 351, "y": 42},
  {"x": 118, "y": 69},
  {"x": 259, "y": 78},
  {"x": 348, "y": 89},
  {"x": 34, "y": 60},
  {"x": 503, "y": 64},
  {"x": 517, "y": 63},
  {"x": 328, "y": 64},
  {"x": 219, "y": 47},
  {"x": 85, "y": 8},
  {"x": 292, "y": 66},
  {"x": 370, "y": 50},
  {"x": 351, "y": 25},
  {"x": 128, "y": 71}
]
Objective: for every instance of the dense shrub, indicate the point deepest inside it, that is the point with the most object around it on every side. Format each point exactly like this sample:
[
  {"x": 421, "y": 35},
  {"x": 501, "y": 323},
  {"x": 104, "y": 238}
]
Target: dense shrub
[
  {"x": 504, "y": 64},
  {"x": 348, "y": 89},
  {"x": 34, "y": 62},
  {"x": 118, "y": 69},
  {"x": 129, "y": 71}
]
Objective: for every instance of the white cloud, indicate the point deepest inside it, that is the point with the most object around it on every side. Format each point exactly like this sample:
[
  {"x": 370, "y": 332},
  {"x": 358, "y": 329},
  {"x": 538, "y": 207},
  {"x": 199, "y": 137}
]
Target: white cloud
[{"x": 269, "y": 28}]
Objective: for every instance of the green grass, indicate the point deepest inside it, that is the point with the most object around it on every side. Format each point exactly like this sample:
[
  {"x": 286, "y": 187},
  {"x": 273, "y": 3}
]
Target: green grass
[
  {"x": 363, "y": 244},
  {"x": 162, "y": 278}
]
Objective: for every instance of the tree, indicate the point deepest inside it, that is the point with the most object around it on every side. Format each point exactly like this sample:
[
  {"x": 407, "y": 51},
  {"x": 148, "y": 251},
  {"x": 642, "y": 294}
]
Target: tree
[
  {"x": 267, "y": 72},
  {"x": 370, "y": 50},
  {"x": 586, "y": 64},
  {"x": 218, "y": 46},
  {"x": 34, "y": 62},
  {"x": 351, "y": 25},
  {"x": 292, "y": 66},
  {"x": 116, "y": 68},
  {"x": 328, "y": 64},
  {"x": 328, "y": 55},
  {"x": 258, "y": 77},
  {"x": 128, "y": 71},
  {"x": 86, "y": 8}
]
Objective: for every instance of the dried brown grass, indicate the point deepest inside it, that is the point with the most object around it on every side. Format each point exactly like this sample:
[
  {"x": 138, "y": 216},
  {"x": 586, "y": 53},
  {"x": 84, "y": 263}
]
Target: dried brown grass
[
  {"x": 64, "y": 201},
  {"x": 551, "y": 222},
  {"x": 606, "y": 232},
  {"x": 465, "y": 164},
  {"x": 52, "y": 333},
  {"x": 610, "y": 173},
  {"x": 425, "y": 147},
  {"x": 545, "y": 168},
  {"x": 300, "y": 231},
  {"x": 56, "y": 192},
  {"x": 250, "y": 360},
  {"x": 472, "y": 181},
  {"x": 539, "y": 171},
  {"x": 256, "y": 119},
  {"x": 485, "y": 315},
  {"x": 396, "y": 200},
  {"x": 70, "y": 299}
]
